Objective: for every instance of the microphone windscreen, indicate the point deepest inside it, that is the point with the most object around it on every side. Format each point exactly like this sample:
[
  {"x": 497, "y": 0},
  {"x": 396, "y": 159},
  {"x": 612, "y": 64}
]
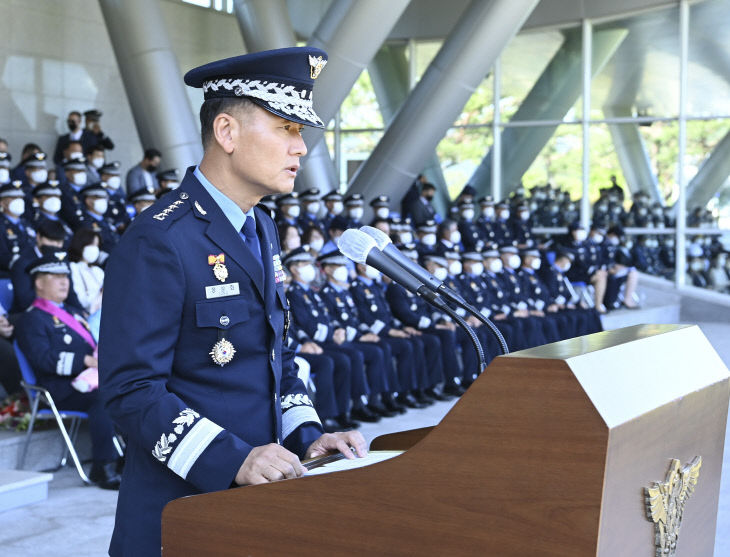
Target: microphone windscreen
[
  {"x": 355, "y": 245},
  {"x": 380, "y": 237}
]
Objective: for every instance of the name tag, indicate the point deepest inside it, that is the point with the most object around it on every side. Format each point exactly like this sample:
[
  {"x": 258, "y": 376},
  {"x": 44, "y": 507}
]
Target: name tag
[{"x": 221, "y": 290}]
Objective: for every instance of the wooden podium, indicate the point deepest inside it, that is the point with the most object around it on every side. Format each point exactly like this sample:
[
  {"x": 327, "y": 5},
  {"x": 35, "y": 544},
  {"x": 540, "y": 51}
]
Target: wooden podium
[{"x": 548, "y": 453}]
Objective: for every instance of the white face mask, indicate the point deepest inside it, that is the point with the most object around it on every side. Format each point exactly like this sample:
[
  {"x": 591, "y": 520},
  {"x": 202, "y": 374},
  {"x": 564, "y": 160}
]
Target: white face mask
[
  {"x": 524, "y": 215},
  {"x": 317, "y": 244},
  {"x": 372, "y": 273},
  {"x": 455, "y": 237},
  {"x": 579, "y": 235},
  {"x": 495, "y": 265},
  {"x": 405, "y": 237},
  {"x": 356, "y": 213},
  {"x": 488, "y": 212},
  {"x": 697, "y": 266},
  {"x": 114, "y": 182},
  {"x": 17, "y": 206},
  {"x": 337, "y": 207},
  {"x": 504, "y": 215},
  {"x": 293, "y": 243},
  {"x": 79, "y": 178},
  {"x": 100, "y": 206},
  {"x": 90, "y": 253},
  {"x": 455, "y": 268},
  {"x": 429, "y": 240},
  {"x": 173, "y": 185},
  {"x": 4, "y": 175},
  {"x": 52, "y": 204},
  {"x": 597, "y": 238},
  {"x": 39, "y": 176},
  {"x": 535, "y": 263},
  {"x": 477, "y": 269},
  {"x": 293, "y": 211},
  {"x": 307, "y": 273},
  {"x": 565, "y": 268},
  {"x": 441, "y": 273},
  {"x": 340, "y": 274},
  {"x": 467, "y": 214},
  {"x": 382, "y": 212},
  {"x": 514, "y": 261},
  {"x": 313, "y": 208},
  {"x": 97, "y": 162},
  {"x": 614, "y": 241}
]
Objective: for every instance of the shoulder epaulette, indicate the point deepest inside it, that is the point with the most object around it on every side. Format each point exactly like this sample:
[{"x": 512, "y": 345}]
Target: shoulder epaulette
[{"x": 168, "y": 214}]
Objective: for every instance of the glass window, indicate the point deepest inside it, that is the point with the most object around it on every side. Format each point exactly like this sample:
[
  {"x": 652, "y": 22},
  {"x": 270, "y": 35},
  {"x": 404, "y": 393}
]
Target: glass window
[
  {"x": 479, "y": 109},
  {"x": 356, "y": 148},
  {"x": 360, "y": 110},
  {"x": 661, "y": 140},
  {"x": 460, "y": 153},
  {"x": 604, "y": 162}
]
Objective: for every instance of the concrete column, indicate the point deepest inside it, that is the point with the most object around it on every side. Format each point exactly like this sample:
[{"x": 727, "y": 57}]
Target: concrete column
[
  {"x": 711, "y": 176},
  {"x": 479, "y": 36},
  {"x": 553, "y": 95},
  {"x": 351, "y": 33},
  {"x": 264, "y": 24},
  {"x": 152, "y": 80},
  {"x": 390, "y": 72}
]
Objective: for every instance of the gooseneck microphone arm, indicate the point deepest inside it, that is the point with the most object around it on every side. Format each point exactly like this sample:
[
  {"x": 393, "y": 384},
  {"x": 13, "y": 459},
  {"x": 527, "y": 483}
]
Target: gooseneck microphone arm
[
  {"x": 360, "y": 248},
  {"x": 385, "y": 245}
]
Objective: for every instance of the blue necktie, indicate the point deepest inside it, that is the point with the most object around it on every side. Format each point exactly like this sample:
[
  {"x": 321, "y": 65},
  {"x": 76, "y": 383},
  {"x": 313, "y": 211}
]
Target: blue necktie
[{"x": 251, "y": 239}]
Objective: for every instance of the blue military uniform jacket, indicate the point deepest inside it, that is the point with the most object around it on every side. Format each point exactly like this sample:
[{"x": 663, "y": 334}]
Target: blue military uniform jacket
[
  {"x": 189, "y": 422},
  {"x": 342, "y": 308},
  {"x": 310, "y": 314},
  {"x": 372, "y": 307},
  {"x": 14, "y": 238}
]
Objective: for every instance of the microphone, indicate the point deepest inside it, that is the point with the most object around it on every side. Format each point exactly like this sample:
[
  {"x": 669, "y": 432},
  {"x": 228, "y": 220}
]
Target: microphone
[{"x": 361, "y": 248}]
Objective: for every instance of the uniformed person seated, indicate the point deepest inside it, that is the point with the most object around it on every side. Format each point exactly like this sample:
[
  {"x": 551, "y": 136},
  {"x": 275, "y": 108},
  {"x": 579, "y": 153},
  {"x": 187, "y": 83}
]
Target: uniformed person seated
[
  {"x": 426, "y": 238},
  {"x": 47, "y": 197},
  {"x": 288, "y": 211},
  {"x": 117, "y": 212},
  {"x": 587, "y": 266},
  {"x": 354, "y": 209},
  {"x": 381, "y": 207},
  {"x": 16, "y": 233},
  {"x": 55, "y": 338},
  {"x": 142, "y": 199},
  {"x": 35, "y": 173},
  {"x": 193, "y": 359},
  {"x": 333, "y": 204},
  {"x": 96, "y": 203},
  {"x": 470, "y": 233},
  {"x": 167, "y": 180},
  {"x": 71, "y": 184},
  {"x": 309, "y": 213}
]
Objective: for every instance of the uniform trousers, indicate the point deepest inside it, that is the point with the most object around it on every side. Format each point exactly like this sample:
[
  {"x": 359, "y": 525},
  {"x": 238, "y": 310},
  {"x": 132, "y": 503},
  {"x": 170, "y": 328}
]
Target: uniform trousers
[
  {"x": 351, "y": 359},
  {"x": 402, "y": 377},
  {"x": 101, "y": 426},
  {"x": 428, "y": 360},
  {"x": 333, "y": 386}
]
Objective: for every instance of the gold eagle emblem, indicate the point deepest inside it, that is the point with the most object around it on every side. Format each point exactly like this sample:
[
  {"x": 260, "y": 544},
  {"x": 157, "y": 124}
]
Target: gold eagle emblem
[
  {"x": 316, "y": 65},
  {"x": 665, "y": 503}
]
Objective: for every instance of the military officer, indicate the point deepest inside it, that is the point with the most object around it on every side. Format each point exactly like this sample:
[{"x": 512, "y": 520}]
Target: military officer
[
  {"x": 380, "y": 205},
  {"x": 16, "y": 233},
  {"x": 309, "y": 214},
  {"x": 522, "y": 227},
  {"x": 35, "y": 172},
  {"x": 586, "y": 267},
  {"x": 4, "y": 168},
  {"x": 111, "y": 179},
  {"x": 72, "y": 205},
  {"x": 342, "y": 308},
  {"x": 142, "y": 199},
  {"x": 503, "y": 233},
  {"x": 333, "y": 203},
  {"x": 96, "y": 205},
  {"x": 48, "y": 199},
  {"x": 354, "y": 204},
  {"x": 471, "y": 236},
  {"x": 288, "y": 211},
  {"x": 167, "y": 180},
  {"x": 55, "y": 338},
  {"x": 193, "y": 362}
]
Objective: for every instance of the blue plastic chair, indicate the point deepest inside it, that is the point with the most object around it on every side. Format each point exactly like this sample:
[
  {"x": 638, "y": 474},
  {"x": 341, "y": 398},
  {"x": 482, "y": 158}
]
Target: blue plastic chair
[
  {"x": 36, "y": 395},
  {"x": 6, "y": 294}
]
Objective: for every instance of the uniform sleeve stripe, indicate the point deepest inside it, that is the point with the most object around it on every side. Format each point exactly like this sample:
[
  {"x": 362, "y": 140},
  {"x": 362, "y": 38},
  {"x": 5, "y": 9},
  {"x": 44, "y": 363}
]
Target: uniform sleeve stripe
[
  {"x": 296, "y": 416},
  {"x": 65, "y": 363},
  {"x": 377, "y": 326},
  {"x": 351, "y": 332},
  {"x": 192, "y": 445},
  {"x": 321, "y": 334}
]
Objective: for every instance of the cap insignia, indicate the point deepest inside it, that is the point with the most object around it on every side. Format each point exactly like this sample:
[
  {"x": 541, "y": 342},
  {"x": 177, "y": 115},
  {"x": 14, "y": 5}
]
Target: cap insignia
[{"x": 316, "y": 65}]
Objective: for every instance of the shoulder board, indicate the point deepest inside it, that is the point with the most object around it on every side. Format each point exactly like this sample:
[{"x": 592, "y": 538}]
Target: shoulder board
[{"x": 167, "y": 213}]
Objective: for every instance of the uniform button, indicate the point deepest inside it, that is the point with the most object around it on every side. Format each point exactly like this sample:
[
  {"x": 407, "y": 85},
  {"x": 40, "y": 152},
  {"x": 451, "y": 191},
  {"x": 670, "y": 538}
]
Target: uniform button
[
  {"x": 273, "y": 355},
  {"x": 224, "y": 321},
  {"x": 269, "y": 317},
  {"x": 278, "y": 441}
]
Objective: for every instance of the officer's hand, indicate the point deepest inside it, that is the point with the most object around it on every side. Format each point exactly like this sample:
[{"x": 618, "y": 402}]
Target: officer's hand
[
  {"x": 90, "y": 361},
  {"x": 411, "y": 331},
  {"x": 311, "y": 348},
  {"x": 397, "y": 333},
  {"x": 369, "y": 337},
  {"x": 500, "y": 317},
  {"x": 473, "y": 321},
  {"x": 339, "y": 336},
  {"x": 6, "y": 329},
  {"x": 552, "y": 308},
  {"x": 342, "y": 441},
  {"x": 269, "y": 463}
]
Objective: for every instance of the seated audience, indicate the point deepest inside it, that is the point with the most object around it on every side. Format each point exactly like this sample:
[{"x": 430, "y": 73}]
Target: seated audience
[{"x": 87, "y": 276}]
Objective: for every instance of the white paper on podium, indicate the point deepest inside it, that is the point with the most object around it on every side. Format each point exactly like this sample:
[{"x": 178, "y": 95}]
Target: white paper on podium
[{"x": 373, "y": 457}]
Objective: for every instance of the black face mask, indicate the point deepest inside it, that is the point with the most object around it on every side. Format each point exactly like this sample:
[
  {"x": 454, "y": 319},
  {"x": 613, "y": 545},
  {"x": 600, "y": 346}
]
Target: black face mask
[
  {"x": 50, "y": 250},
  {"x": 152, "y": 168},
  {"x": 72, "y": 125}
]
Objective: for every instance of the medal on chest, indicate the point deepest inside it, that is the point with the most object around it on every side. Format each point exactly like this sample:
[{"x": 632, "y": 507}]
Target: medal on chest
[
  {"x": 223, "y": 351},
  {"x": 219, "y": 266}
]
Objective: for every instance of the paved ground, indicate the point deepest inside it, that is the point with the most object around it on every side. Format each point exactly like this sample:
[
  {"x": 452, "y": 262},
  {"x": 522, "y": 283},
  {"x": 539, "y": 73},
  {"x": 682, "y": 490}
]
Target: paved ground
[{"x": 77, "y": 521}]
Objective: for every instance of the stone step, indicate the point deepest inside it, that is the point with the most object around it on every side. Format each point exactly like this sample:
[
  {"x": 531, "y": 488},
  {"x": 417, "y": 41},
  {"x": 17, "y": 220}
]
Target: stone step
[
  {"x": 21, "y": 487},
  {"x": 45, "y": 449}
]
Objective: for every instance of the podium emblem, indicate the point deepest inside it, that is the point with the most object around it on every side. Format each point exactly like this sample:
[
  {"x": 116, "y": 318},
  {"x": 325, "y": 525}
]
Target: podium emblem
[{"x": 665, "y": 504}]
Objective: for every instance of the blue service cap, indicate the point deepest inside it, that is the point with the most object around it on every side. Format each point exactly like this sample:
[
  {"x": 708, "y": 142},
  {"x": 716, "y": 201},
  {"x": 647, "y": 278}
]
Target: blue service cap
[
  {"x": 280, "y": 81},
  {"x": 12, "y": 189}
]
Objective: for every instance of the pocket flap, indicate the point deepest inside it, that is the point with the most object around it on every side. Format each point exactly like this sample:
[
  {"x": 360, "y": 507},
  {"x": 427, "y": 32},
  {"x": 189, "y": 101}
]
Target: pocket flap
[{"x": 221, "y": 314}]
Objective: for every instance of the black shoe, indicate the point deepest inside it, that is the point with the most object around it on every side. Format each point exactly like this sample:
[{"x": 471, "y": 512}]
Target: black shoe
[
  {"x": 377, "y": 407},
  {"x": 346, "y": 423},
  {"x": 423, "y": 398},
  {"x": 391, "y": 404},
  {"x": 467, "y": 381},
  {"x": 330, "y": 425},
  {"x": 364, "y": 414},
  {"x": 454, "y": 389},
  {"x": 436, "y": 395},
  {"x": 105, "y": 475},
  {"x": 409, "y": 401},
  {"x": 120, "y": 465}
]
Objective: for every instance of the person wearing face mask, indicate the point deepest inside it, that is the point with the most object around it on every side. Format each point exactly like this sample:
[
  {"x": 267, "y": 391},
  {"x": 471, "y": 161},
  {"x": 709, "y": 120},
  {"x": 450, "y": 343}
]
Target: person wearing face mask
[
  {"x": 420, "y": 208},
  {"x": 718, "y": 276},
  {"x": 522, "y": 227},
  {"x": 335, "y": 229},
  {"x": 470, "y": 233},
  {"x": 167, "y": 180},
  {"x": 314, "y": 323},
  {"x": 142, "y": 200},
  {"x": 48, "y": 199},
  {"x": 485, "y": 219},
  {"x": 93, "y": 134},
  {"x": 86, "y": 275},
  {"x": 401, "y": 231},
  {"x": 309, "y": 214},
  {"x": 4, "y": 168},
  {"x": 503, "y": 232},
  {"x": 73, "y": 122},
  {"x": 449, "y": 237},
  {"x": 96, "y": 204},
  {"x": 314, "y": 238},
  {"x": 35, "y": 171},
  {"x": 354, "y": 207},
  {"x": 587, "y": 267},
  {"x": 290, "y": 237},
  {"x": 381, "y": 208},
  {"x": 696, "y": 266},
  {"x": 118, "y": 212},
  {"x": 619, "y": 266},
  {"x": 334, "y": 206},
  {"x": 343, "y": 311},
  {"x": 72, "y": 153},
  {"x": 466, "y": 195},
  {"x": 289, "y": 210},
  {"x": 142, "y": 175},
  {"x": 426, "y": 238},
  {"x": 16, "y": 232},
  {"x": 75, "y": 179},
  {"x": 95, "y": 159}
]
